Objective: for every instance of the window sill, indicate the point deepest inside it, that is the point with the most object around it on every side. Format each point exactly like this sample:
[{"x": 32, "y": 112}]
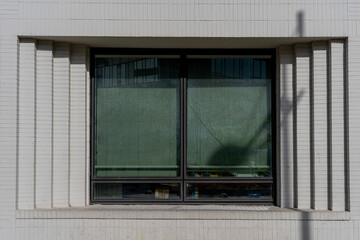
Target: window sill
[{"x": 182, "y": 212}]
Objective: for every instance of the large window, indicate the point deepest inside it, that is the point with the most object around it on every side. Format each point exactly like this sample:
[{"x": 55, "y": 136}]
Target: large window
[{"x": 182, "y": 126}]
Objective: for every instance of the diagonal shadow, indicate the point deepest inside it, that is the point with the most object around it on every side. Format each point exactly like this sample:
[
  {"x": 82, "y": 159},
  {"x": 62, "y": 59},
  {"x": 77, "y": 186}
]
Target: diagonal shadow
[
  {"x": 287, "y": 134},
  {"x": 304, "y": 221}
]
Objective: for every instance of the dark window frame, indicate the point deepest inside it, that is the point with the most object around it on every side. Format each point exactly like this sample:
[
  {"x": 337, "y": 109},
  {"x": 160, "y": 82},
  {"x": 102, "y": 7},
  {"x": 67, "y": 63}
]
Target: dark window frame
[{"x": 183, "y": 179}]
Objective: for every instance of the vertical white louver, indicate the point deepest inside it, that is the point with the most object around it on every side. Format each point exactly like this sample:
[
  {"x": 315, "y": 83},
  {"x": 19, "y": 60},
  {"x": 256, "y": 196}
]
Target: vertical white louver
[
  {"x": 52, "y": 125},
  {"x": 319, "y": 126},
  {"x": 61, "y": 125},
  {"x": 44, "y": 110},
  {"x": 26, "y": 124},
  {"x": 286, "y": 54},
  {"x": 77, "y": 125},
  {"x": 337, "y": 59},
  {"x": 303, "y": 159}
]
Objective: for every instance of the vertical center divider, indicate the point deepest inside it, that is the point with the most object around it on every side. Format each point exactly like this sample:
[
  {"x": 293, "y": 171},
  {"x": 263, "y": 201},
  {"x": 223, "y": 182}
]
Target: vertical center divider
[{"x": 183, "y": 78}]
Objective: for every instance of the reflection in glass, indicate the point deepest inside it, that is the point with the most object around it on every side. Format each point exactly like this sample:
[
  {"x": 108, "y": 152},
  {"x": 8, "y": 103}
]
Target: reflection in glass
[
  {"x": 137, "y": 117},
  {"x": 136, "y": 191},
  {"x": 228, "y": 191},
  {"x": 229, "y": 117}
]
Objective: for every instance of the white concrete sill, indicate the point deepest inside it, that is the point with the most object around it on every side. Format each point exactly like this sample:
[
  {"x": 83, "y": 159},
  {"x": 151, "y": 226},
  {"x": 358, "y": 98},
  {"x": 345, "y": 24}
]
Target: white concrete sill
[{"x": 182, "y": 212}]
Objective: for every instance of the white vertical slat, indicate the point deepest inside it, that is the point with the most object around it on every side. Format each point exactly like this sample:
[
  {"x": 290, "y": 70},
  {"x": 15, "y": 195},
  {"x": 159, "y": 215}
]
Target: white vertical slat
[
  {"x": 337, "y": 125},
  {"x": 353, "y": 62},
  {"x": 61, "y": 125},
  {"x": 88, "y": 127},
  {"x": 77, "y": 125},
  {"x": 320, "y": 83},
  {"x": 286, "y": 126},
  {"x": 44, "y": 74},
  {"x": 303, "y": 54},
  {"x": 26, "y": 128}
]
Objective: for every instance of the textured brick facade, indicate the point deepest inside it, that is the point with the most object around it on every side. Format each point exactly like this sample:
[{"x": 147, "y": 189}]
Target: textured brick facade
[{"x": 45, "y": 128}]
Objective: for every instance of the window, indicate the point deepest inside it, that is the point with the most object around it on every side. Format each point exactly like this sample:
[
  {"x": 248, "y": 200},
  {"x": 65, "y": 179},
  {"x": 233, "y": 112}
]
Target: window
[{"x": 182, "y": 126}]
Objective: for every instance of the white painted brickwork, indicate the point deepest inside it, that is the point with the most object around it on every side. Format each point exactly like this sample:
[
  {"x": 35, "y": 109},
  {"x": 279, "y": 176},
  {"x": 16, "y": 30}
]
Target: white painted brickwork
[
  {"x": 183, "y": 18},
  {"x": 8, "y": 132},
  {"x": 44, "y": 94},
  {"x": 183, "y": 229}
]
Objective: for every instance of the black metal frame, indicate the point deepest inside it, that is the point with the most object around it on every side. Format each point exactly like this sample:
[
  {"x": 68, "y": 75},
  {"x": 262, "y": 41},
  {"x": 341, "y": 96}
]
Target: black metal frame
[{"x": 183, "y": 179}]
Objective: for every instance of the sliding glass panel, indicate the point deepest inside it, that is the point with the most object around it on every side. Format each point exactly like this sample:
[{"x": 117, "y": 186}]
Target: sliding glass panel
[
  {"x": 137, "y": 191},
  {"x": 229, "y": 116},
  {"x": 229, "y": 191},
  {"x": 137, "y": 116}
]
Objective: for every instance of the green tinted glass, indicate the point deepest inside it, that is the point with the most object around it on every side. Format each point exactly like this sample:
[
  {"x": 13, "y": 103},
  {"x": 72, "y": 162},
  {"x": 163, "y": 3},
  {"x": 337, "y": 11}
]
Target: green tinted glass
[
  {"x": 229, "y": 117},
  {"x": 137, "y": 117}
]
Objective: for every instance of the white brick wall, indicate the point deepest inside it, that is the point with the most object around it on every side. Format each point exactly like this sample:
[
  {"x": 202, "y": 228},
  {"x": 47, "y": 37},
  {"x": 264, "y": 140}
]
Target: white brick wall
[
  {"x": 224, "y": 222},
  {"x": 189, "y": 18},
  {"x": 8, "y": 132},
  {"x": 200, "y": 20}
]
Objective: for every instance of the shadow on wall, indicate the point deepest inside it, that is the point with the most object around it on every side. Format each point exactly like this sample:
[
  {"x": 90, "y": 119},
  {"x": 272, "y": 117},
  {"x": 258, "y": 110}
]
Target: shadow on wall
[
  {"x": 305, "y": 228},
  {"x": 300, "y": 23},
  {"x": 305, "y": 223}
]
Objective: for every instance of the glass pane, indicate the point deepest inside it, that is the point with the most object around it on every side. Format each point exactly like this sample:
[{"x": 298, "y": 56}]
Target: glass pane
[
  {"x": 228, "y": 191},
  {"x": 137, "y": 191},
  {"x": 229, "y": 117},
  {"x": 137, "y": 117}
]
